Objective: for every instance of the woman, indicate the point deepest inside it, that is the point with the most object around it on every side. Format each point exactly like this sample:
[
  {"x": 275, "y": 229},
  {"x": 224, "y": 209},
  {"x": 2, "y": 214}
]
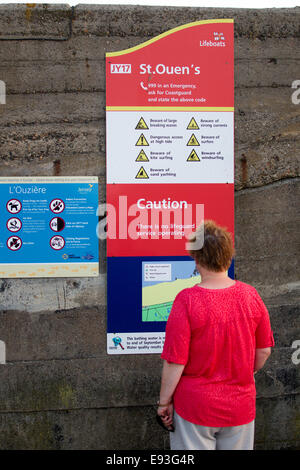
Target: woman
[{"x": 218, "y": 336}]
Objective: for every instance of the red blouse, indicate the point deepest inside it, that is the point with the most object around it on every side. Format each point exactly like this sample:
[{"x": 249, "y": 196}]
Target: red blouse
[{"x": 215, "y": 332}]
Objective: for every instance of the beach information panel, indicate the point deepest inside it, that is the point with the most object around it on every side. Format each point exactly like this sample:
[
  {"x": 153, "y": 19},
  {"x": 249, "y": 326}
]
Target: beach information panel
[
  {"x": 48, "y": 226},
  {"x": 170, "y": 163}
]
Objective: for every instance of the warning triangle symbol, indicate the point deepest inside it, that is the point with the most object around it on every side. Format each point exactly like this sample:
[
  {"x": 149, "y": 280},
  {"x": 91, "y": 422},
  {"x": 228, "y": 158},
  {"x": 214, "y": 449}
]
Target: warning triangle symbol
[
  {"x": 193, "y": 157},
  {"x": 141, "y": 124},
  {"x": 142, "y": 141},
  {"x": 193, "y": 125},
  {"x": 142, "y": 174},
  {"x": 142, "y": 157},
  {"x": 193, "y": 140}
]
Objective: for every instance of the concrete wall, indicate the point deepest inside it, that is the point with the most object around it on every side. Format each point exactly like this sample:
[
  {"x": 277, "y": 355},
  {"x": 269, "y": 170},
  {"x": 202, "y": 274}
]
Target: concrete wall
[{"x": 59, "y": 389}]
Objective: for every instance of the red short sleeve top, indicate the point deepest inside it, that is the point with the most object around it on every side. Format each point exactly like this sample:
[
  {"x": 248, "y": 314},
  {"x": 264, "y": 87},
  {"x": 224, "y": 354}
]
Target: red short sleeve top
[{"x": 214, "y": 333}]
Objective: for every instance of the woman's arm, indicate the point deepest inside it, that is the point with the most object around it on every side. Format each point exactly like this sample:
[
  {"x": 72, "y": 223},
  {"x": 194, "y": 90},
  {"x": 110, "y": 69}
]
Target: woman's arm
[
  {"x": 171, "y": 374},
  {"x": 175, "y": 353},
  {"x": 261, "y": 355}
]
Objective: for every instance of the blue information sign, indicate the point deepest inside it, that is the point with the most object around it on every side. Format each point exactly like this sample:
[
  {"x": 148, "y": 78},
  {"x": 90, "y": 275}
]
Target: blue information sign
[{"x": 48, "y": 226}]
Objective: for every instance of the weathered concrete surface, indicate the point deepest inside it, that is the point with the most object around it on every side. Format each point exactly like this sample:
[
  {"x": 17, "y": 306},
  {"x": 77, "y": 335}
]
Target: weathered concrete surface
[
  {"x": 32, "y": 21},
  {"x": 84, "y": 429},
  {"x": 267, "y": 224},
  {"x": 149, "y": 21},
  {"x": 59, "y": 389},
  {"x": 62, "y": 384}
]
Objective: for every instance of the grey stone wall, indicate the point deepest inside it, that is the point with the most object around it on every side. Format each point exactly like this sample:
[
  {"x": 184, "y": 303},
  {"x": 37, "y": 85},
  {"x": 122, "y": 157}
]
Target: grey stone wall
[{"x": 59, "y": 389}]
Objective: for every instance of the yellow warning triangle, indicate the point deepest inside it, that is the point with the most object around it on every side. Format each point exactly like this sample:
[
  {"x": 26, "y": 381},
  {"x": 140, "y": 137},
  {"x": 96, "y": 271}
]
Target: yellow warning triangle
[
  {"x": 142, "y": 157},
  {"x": 193, "y": 140},
  {"x": 142, "y": 141},
  {"x": 142, "y": 174},
  {"x": 193, "y": 157},
  {"x": 141, "y": 124},
  {"x": 192, "y": 125}
]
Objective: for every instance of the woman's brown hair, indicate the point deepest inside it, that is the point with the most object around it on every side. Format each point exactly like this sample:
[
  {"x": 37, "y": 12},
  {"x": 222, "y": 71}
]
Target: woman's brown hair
[{"x": 217, "y": 250}]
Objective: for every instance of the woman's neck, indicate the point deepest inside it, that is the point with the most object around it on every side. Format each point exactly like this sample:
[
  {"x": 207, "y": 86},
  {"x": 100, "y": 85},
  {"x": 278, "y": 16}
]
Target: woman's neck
[{"x": 214, "y": 280}]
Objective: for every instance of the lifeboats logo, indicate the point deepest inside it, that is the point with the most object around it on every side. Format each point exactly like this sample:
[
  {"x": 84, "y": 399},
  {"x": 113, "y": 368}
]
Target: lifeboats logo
[{"x": 218, "y": 40}]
